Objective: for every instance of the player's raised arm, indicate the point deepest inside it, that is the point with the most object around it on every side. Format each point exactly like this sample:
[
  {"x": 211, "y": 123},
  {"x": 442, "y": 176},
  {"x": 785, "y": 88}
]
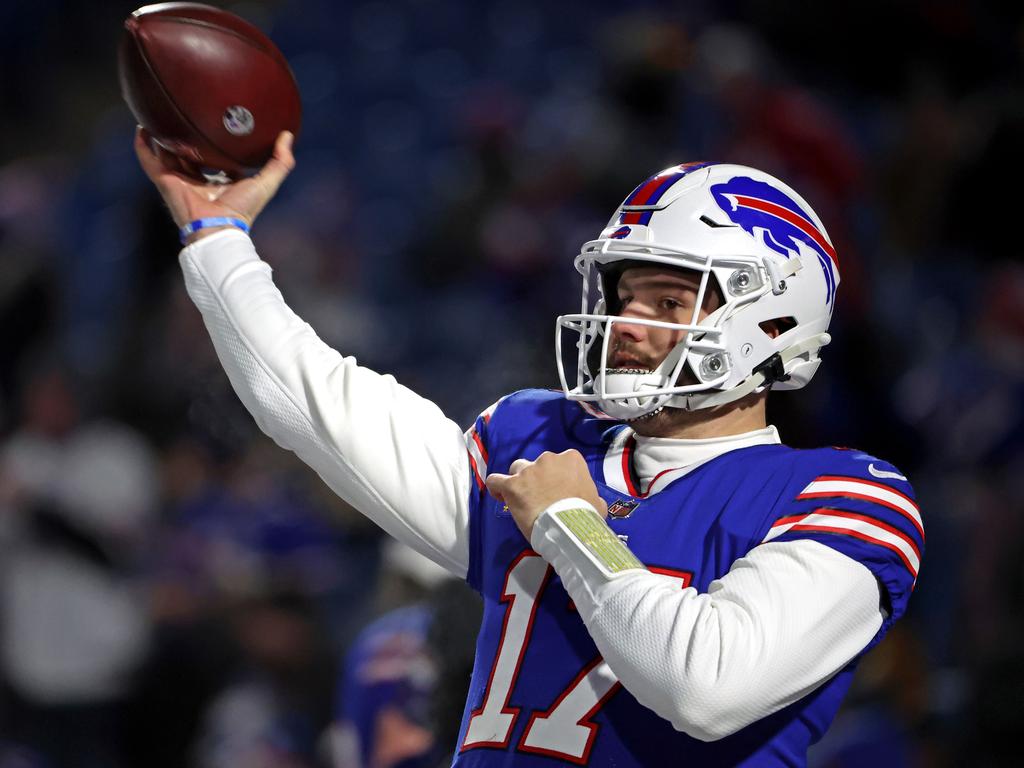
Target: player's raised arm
[{"x": 388, "y": 452}]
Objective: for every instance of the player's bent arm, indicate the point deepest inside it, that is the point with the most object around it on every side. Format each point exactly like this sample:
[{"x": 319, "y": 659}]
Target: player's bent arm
[
  {"x": 390, "y": 453},
  {"x": 782, "y": 621}
]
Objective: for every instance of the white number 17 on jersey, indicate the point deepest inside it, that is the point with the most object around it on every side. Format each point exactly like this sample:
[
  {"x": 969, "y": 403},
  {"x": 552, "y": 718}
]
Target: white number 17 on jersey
[{"x": 565, "y": 730}]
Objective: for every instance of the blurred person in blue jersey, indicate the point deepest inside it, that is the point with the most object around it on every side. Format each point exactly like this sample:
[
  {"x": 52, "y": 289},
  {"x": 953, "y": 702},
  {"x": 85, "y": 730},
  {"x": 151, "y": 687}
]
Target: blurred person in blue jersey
[
  {"x": 661, "y": 575},
  {"x": 402, "y": 669},
  {"x": 381, "y": 715},
  {"x": 382, "y": 704}
]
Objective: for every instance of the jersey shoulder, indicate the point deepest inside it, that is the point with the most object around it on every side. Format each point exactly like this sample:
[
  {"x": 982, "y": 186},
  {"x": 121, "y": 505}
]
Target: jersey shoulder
[
  {"x": 535, "y": 420},
  {"x": 849, "y": 463},
  {"x": 861, "y": 472},
  {"x": 859, "y": 505},
  {"x": 545, "y": 403}
]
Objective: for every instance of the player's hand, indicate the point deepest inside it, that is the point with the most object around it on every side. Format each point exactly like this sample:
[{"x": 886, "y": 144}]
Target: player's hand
[
  {"x": 189, "y": 198},
  {"x": 534, "y": 486}
]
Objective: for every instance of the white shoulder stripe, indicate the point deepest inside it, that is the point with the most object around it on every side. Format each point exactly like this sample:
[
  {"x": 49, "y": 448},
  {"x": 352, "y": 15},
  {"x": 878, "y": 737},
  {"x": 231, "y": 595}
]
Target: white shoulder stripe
[
  {"x": 855, "y": 527},
  {"x": 473, "y": 446},
  {"x": 851, "y": 487},
  {"x": 614, "y": 476}
]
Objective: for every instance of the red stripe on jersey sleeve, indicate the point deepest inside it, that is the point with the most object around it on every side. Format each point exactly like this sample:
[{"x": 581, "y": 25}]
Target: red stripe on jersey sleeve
[
  {"x": 857, "y": 535},
  {"x": 852, "y": 516},
  {"x": 476, "y": 472}
]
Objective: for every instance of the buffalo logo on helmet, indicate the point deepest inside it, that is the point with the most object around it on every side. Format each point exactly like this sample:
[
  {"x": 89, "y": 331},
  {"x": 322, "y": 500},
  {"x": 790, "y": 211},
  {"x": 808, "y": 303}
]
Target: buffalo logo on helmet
[{"x": 757, "y": 205}]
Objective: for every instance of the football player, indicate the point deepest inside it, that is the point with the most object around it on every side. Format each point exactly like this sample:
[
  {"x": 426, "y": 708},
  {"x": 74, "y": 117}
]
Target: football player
[{"x": 664, "y": 581}]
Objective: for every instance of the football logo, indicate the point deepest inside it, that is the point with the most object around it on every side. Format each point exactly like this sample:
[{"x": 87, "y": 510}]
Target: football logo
[
  {"x": 622, "y": 508},
  {"x": 239, "y": 121}
]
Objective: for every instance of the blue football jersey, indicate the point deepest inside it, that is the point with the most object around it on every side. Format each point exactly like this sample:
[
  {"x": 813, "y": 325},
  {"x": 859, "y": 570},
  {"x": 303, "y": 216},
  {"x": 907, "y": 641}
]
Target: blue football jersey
[
  {"x": 388, "y": 666},
  {"x": 541, "y": 695}
]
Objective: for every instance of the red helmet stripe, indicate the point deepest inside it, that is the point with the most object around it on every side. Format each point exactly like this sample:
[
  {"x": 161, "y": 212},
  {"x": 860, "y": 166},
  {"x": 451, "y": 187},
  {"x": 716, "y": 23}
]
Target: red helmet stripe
[{"x": 774, "y": 209}]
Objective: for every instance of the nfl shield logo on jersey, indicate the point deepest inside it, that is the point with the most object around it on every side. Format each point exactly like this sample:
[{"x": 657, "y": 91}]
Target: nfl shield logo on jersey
[{"x": 622, "y": 508}]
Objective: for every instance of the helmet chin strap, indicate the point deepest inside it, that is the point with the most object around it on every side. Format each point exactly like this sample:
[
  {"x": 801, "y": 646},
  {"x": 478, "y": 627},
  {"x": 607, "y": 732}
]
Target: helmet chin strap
[{"x": 773, "y": 370}]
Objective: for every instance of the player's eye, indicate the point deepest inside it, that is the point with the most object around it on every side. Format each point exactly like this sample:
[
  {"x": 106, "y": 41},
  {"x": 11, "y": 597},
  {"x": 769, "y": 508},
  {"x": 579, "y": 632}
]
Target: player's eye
[
  {"x": 671, "y": 304},
  {"x": 624, "y": 300}
]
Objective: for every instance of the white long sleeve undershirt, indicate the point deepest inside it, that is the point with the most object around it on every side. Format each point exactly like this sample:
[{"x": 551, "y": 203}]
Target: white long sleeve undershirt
[
  {"x": 786, "y": 617},
  {"x": 382, "y": 448},
  {"x": 782, "y": 621}
]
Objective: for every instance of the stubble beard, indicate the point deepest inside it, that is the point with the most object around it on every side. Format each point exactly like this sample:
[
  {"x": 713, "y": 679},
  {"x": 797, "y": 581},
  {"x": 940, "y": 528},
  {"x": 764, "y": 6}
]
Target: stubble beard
[
  {"x": 664, "y": 421},
  {"x": 716, "y": 421}
]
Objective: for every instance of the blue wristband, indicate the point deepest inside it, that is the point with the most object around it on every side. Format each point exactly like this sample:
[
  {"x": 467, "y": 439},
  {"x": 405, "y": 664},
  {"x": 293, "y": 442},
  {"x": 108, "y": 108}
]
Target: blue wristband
[{"x": 216, "y": 221}]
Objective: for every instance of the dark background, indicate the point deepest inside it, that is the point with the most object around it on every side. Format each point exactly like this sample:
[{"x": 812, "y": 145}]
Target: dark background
[{"x": 158, "y": 555}]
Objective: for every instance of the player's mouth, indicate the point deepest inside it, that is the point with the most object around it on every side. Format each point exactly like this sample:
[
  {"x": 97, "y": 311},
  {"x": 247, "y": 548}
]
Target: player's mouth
[{"x": 627, "y": 364}]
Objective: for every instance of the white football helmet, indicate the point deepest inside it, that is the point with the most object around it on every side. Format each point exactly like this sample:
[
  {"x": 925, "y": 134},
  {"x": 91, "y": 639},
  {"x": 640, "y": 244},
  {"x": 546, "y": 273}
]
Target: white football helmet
[{"x": 769, "y": 257}]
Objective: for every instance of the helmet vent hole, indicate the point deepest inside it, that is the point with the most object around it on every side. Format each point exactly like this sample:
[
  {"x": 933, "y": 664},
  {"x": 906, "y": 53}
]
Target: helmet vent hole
[{"x": 777, "y": 326}]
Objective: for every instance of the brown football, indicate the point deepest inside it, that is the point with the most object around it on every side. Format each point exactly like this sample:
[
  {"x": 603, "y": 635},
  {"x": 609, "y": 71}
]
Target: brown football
[{"x": 207, "y": 85}]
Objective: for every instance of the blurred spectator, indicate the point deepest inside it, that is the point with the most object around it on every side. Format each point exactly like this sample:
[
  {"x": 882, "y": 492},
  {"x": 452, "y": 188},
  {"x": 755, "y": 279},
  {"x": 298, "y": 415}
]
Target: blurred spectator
[
  {"x": 82, "y": 498},
  {"x": 398, "y": 695},
  {"x": 271, "y": 715},
  {"x": 389, "y": 678},
  {"x": 254, "y": 590}
]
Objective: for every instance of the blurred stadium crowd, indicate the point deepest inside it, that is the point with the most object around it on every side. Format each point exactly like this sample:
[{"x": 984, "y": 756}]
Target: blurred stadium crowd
[{"x": 175, "y": 590}]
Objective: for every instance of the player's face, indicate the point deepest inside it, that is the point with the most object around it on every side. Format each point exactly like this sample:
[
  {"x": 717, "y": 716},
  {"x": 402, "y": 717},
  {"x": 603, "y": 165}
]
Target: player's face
[{"x": 654, "y": 293}]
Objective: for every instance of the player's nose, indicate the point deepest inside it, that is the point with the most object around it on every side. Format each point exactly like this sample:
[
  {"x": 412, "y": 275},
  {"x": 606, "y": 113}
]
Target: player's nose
[
  {"x": 629, "y": 332},
  {"x": 623, "y": 329}
]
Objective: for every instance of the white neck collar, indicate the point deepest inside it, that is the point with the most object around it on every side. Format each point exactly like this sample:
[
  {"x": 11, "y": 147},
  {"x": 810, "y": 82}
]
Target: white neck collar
[{"x": 657, "y": 461}]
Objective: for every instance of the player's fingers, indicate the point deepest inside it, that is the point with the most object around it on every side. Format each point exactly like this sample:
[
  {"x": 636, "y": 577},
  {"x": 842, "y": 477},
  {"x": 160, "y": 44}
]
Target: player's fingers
[
  {"x": 175, "y": 164},
  {"x": 159, "y": 164},
  {"x": 185, "y": 167},
  {"x": 283, "y": 148},
  {"x": 280, "y": 164},
  {"x": 496, "y": 483},
  {"x": 519, "y": 465},
  {"x": 572, "y": 460}
]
